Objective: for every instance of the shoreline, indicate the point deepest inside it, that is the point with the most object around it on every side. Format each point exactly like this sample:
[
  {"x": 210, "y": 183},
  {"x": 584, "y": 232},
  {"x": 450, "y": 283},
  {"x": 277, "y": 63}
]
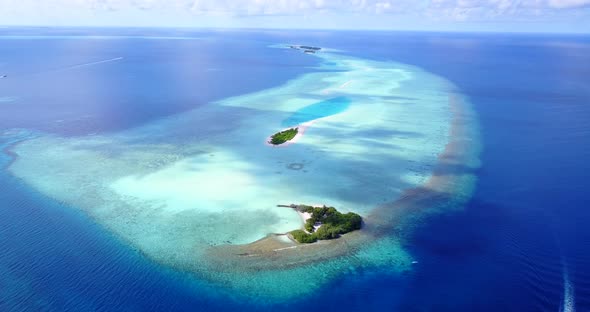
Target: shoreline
[
  {"x": 304, "y": 216},
  {"x": 301, "y": 128},
  {"x": 249, "y": 267},
  {"x": 439, "y": 189}
]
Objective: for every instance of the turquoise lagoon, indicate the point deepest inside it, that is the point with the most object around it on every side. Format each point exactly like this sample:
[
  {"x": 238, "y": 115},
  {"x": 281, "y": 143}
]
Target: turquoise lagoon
[
  {"x": 318, "y": 110},
  {"x": 189, "y": 189}
]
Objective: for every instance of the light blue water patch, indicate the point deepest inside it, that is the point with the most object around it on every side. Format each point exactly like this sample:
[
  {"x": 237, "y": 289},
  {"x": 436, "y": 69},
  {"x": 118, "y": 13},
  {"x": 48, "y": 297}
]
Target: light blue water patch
[
  {"x": 7, "y": 99},
  {"x": 169, "y": 197},
  {"x": 318, "y": 110}
]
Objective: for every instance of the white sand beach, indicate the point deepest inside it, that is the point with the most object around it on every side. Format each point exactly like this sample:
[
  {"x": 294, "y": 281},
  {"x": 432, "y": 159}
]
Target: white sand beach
[
  {"x": 186, "y": 189},
  {"x": 300, "y": 132}
]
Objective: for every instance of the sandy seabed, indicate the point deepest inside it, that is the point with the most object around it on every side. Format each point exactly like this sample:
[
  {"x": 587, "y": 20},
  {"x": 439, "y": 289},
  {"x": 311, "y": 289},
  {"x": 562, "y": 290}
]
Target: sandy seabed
[{"x": 200, "y": 196}]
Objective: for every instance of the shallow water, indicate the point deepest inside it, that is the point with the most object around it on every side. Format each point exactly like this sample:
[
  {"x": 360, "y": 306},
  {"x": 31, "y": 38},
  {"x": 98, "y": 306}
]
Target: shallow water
[
  {"x": 318, "y": 110},
  {"x": 471, "y": 251},
  {"x": 189, "y": 188}
]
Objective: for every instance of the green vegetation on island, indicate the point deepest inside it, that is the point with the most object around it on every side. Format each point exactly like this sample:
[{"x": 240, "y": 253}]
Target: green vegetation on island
[
  {"x": 310, "y": 48},
  {"x": 283, "y": 136},
  {"x": 305, "y": 49},
  {"x": 331, "y": 224}
]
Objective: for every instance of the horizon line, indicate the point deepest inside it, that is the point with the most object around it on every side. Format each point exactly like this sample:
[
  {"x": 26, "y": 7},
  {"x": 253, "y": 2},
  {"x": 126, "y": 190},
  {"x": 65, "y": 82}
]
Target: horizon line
[{"x": 294, "y": 29}]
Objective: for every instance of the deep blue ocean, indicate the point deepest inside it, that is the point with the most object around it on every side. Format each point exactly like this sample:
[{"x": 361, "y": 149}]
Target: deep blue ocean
[{"x": 517, "y": 245}]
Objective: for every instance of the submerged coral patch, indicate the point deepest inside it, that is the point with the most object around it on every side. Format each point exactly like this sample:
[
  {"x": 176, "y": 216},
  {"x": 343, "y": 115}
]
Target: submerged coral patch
[
  {"x": 160, "y": 189},
  {"x": 295, "y": 166}
]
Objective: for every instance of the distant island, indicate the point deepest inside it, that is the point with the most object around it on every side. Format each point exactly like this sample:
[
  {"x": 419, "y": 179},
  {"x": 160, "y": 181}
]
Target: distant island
[
  {"x": 283, "y": 136},
  {"x": 305, "y": 49},
  {"x": 323, "y": 223}
]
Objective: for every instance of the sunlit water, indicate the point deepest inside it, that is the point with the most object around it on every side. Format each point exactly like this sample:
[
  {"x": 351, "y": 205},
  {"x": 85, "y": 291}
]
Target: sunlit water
[{"x": 160, "y": 178}]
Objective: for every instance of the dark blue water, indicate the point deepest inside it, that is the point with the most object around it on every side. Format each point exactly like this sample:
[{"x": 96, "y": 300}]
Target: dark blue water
[
  {"x": 506, "y": 250},
  {"x": 54, "y": 259},
  {"x": 76, "y": 86}
]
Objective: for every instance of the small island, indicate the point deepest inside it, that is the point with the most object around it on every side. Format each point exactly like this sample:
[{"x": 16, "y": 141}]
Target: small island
[
  {"x": 283, "y": 136},
  {"x": 324, "y": 223},
  {"x": 306, "y": 49}
]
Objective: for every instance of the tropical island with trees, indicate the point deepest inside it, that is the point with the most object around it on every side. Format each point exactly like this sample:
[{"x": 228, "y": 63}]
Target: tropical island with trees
[
  {"x": 283, "y": 136},
  {"x": 306, "y": 49},
  {"x": 324, "y": 223}
]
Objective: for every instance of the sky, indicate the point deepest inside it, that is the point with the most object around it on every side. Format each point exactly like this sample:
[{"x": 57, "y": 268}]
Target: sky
[{"x": 434, "y": 15}]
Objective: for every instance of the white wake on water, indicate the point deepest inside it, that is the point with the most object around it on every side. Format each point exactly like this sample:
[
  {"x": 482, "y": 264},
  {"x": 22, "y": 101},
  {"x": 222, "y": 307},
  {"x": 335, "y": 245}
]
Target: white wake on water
[
  {"x": 94, "y": 63},
  {"x": 569, "y": 302}
]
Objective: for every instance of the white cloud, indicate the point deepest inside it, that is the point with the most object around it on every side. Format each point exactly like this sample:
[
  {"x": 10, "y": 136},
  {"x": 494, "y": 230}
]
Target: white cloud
[
  {"x": 564, "y": 4},
  {"x": 193, "y": 11},
  {"x": 254, "y": 7},
  {"x": 499, "y": 9},
  {"x": 282, "y": 7}
]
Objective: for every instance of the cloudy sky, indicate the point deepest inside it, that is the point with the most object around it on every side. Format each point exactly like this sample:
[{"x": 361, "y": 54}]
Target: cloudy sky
[{"x": 454, "y": 15}]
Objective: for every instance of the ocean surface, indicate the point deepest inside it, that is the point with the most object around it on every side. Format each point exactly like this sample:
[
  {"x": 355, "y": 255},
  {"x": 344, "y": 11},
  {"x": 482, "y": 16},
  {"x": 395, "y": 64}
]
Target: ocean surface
[{"x": 520, "y": 243}]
